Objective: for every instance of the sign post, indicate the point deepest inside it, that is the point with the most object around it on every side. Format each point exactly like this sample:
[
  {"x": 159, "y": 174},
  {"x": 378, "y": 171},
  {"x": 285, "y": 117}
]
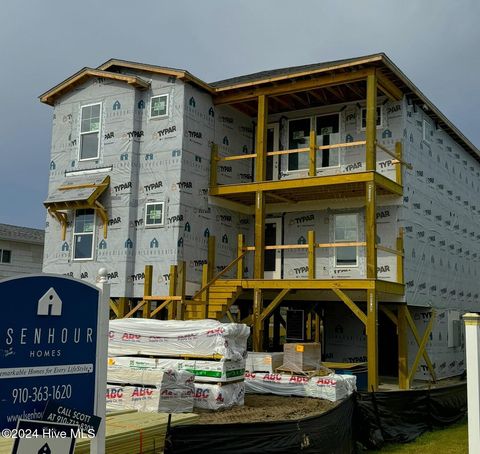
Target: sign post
[
  {"x": 472, "y": 345},
  {"x": 53, "y": 347}
]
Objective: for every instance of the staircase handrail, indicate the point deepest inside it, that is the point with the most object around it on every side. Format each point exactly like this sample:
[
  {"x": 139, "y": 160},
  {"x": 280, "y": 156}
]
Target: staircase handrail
[{"x": 221, "y": 273}]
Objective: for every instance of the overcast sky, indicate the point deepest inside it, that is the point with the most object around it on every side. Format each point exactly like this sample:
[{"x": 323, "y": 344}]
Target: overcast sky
[{"x": 435, "y": 43}]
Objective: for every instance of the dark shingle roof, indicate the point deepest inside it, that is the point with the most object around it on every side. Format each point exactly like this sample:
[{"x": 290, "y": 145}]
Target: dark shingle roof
[
  {"x": 286, "y": 71},
  {"x": 23, "y": 234}
]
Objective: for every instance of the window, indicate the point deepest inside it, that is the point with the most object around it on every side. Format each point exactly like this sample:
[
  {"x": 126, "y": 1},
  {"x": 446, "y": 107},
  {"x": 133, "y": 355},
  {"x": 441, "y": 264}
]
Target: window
[
  {"x": 159, "y": 106},
  {"x": 154, "y": 214},
  {"x": 427, "y": 131},
  {"x": 90, "y": 132},
  {"x": 346, "y": 231},
  {"x": 364, "y": 117},
  {"x": 298, "y": 137},
  {"x": 5, "y": 256},
  {"x": 327, "y": 127},
  {"x": 83, "y": 232}
]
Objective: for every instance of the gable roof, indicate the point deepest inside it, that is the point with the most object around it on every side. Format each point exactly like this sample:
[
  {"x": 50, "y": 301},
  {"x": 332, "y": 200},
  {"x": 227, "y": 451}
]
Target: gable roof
[{"x": 51, "y": 95}]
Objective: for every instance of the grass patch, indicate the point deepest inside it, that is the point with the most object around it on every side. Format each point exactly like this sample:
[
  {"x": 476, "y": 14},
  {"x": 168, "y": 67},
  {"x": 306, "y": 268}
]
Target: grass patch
[{"x": 452, "y": 440}]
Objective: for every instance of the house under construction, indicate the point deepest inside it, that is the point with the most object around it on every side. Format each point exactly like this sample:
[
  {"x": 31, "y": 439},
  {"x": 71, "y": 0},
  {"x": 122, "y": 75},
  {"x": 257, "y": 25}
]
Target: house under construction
[{"x": 334, "y": 199}]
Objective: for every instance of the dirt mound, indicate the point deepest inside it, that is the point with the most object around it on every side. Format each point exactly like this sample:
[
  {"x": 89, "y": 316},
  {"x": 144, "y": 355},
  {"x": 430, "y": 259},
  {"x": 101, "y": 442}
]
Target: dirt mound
[{"x": 261, "y": 408}]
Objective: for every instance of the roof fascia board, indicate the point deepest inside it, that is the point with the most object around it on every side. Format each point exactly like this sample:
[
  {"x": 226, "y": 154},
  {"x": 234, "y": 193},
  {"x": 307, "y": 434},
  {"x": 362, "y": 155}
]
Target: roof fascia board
[{"x": 49, "y": 96}]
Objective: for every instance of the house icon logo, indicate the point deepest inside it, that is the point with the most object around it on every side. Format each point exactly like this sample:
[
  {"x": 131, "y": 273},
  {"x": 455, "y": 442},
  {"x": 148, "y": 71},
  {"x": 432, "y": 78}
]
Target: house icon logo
[
  {"x": 50, "y": 303},
  {"x": 45, "y": 449}
]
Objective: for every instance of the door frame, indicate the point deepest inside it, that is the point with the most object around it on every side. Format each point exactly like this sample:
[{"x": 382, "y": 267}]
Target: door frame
[{"x": 277, "y": 274}]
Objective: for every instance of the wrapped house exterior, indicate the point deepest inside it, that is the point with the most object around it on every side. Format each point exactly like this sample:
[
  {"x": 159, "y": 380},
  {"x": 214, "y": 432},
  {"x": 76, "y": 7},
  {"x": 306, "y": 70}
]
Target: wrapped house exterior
[{"x": 337, "y": 189}]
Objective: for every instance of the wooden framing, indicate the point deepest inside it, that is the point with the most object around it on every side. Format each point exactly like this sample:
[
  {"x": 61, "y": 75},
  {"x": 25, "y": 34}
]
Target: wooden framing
[
  {"x": 351, "y": 305},
  {"x": 403, "y": 382},
  {"x": 372, "y": 340}
]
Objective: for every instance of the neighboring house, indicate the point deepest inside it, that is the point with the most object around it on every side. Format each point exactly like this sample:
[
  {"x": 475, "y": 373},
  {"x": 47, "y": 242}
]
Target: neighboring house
[
  {"x": 21, "y": 250},
  {"x": 370, "y": 192}
]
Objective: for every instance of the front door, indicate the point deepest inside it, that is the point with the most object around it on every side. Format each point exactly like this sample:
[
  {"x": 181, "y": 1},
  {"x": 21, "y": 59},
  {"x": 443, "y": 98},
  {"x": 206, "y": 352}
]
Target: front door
[{"x": 273, "y": 257}]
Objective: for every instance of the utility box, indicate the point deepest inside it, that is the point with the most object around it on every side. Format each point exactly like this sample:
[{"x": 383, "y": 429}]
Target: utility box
[{"x": 301, "y": 356}]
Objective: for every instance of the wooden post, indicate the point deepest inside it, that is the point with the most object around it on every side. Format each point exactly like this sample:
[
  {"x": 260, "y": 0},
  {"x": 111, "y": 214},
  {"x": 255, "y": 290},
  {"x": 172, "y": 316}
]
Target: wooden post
[
  {"x": 317, "y": 328},
  {"x": 211, "y": 257},
  {"x": 206, "y": 293},
  {"x": 214, "y": 165},
  {"x": 400, "y": 258},
  {"x": 172, "y": 291},
  {"x": 398, "y": 168},
  {"x": 309, "y": 326},
  {"x": 371, "y": 230},
  {"x": 240, "y": 264},
  {"x": 372, "y": 340},
  {"x": 260, "y": 175},
  {"x": 147, "y": 289},
  {"x": 181, "y": 286},
  {"x": 259, "y": 257},
  {"x": 371, "y": 129},
  {"x": 311, "y": 254},
  {"x": 402, "y": 329},
  {"x": 261, "y": 143},
  {"x": 122, "y": 307},
  {"x": 257, "y": 320},
  {"x": 312, "y": 169}
]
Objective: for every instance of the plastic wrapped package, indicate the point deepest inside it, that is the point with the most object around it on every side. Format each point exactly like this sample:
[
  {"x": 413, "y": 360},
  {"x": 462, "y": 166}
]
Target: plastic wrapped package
[
  {"x": 203, "y": 370},
  {"x": 219, "y": 397},
  {"x": 331, "y": 387},
  {"x": 178, "y": 338},
  {"x": 263, "y": 362},
  {"x": 279, "y": 384}
]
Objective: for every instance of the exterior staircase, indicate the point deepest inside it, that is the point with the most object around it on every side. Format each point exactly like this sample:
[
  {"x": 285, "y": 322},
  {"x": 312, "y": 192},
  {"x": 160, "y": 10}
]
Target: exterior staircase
[{"x": 220, "y": 298}]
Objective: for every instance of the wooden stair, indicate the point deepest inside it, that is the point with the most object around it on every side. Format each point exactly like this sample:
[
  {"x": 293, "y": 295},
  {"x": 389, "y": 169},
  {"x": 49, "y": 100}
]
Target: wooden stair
[{"x": 221, "y": 297}]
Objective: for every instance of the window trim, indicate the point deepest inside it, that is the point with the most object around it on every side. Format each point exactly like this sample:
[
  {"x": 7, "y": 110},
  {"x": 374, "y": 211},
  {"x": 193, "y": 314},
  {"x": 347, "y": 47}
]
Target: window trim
[
  {"x": 357, "y": 264},
  {"x": 80, "y": 159},
  {"x": 1, "y": 257},
  {"x": 74, "y": 234},
  {"x": 379, "y": 126},
  {"x": 424, "y": 130},
  {"x": 153, "y": 226},
  {"x": 167, "y": 114}
]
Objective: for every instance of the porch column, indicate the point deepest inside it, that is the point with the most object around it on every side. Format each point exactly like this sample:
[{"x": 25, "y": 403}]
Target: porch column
[
  {"x": 260, "y": 174},
  {"x": 372, "y": 340},
  {"x": 371, "y": 129}
]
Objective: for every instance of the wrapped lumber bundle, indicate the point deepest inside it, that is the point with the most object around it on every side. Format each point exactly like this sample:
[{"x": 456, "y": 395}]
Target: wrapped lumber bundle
[
  {"x": 219, "y": 397},
  {"x": 279, "y": 384},
  {"x": 177, "y": 338},
  {"x": 298, "y": 357},
  {"x": 163, "y": 378},
  {"x": 149, "y": 399},
  {"x": 331, "y": 387},
  {"x": 119, "y": 368},
  {"x": 136, "y": 433},
  {"x": 263, "y": 362}
]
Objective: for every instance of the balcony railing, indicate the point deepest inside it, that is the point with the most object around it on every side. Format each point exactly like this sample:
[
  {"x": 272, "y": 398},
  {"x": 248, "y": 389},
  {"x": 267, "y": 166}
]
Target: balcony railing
[{"x": 389, "y": 162}]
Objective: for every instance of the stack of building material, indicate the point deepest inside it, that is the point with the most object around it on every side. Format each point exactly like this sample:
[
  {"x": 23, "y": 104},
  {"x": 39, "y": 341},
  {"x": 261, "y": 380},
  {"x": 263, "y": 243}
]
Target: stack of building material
[
  {"x": 168, "y": 391},
  {"x": 136, "y": 433},
  {"x": 301, "y": 357},
  {"x": 173, "y": 338},
  {"x": 263, "y": 362},
  {"x": 213, "y": 352},
  {"x": 330, "y": 387}
]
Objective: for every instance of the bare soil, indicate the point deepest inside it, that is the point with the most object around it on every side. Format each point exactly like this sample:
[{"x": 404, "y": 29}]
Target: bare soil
[{"x": 264, "y": 408}]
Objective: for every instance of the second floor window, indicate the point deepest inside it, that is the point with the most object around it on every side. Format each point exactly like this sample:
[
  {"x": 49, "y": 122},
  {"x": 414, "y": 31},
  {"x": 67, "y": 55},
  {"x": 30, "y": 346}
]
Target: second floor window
[
  {"x": 154, "y": 214},
  {"x": 90, "y": 132},
  {"x": 159, "y": 106},
  {"x": 83, "y": 232},
  {"x": 378, "y": 120}
]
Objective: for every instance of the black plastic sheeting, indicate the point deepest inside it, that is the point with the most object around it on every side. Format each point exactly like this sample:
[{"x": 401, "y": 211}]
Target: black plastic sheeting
[
  {"x": 329, "y": 433},
  {"x": 368, "y": 419},
  {"x": 400, "y": 417}
]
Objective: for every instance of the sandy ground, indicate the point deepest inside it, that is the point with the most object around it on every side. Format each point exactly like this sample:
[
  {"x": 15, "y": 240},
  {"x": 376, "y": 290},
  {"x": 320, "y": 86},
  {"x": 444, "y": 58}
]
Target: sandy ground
[{"x": 262, "y": 408}]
